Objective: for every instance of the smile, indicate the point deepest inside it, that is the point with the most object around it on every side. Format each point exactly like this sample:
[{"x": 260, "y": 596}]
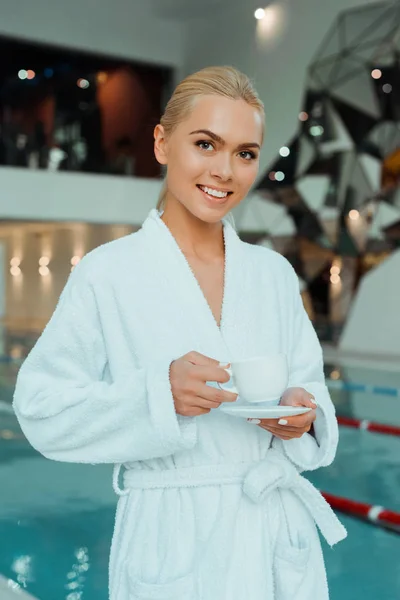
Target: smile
[{"x": 213, "y": 192}]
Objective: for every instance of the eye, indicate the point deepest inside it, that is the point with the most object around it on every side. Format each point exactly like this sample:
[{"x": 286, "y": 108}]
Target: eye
[
  {"x": 248, "y": 155},
  {"x": 205, "y": 145}
]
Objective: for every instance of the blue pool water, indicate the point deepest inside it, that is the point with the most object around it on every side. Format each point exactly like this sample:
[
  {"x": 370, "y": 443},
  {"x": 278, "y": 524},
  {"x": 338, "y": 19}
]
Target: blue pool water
[{"x": 56, "y": 519}]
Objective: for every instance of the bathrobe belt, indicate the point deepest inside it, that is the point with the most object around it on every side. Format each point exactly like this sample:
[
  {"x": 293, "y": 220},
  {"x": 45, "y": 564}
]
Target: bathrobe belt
[{"x": 258, "y": 480}]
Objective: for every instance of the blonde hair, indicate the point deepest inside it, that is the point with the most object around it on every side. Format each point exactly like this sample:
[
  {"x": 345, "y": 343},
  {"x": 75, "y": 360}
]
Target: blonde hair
[{"x": 219, "y": 81}]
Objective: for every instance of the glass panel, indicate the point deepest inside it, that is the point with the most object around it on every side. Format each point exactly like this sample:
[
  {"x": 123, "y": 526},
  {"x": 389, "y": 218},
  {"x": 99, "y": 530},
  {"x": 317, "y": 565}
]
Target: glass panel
[
  {"x": 367, "y": 23},
  {"x": 75, "y": 111},
  {"x": 359, "y": 92}
]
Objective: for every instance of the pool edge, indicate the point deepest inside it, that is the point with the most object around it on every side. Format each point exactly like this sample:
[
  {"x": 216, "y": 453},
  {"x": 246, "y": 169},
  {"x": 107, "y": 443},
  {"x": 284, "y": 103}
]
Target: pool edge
[{"x": 8, "y": 593}]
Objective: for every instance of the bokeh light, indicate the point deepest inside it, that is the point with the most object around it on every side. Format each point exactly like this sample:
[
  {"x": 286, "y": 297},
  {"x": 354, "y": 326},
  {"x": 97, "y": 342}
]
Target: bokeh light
[
  {"x": 83, "y": 83},
  {"x": 335, "y": 279},
  {"x": 354, "y": 215},
  {"x": 284, "y": 151},
  {"x": 376, "y": 74}
]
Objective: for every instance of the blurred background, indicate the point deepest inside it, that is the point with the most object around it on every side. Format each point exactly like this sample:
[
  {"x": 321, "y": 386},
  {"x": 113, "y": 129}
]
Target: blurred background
[{"x": 82, "y": 85}]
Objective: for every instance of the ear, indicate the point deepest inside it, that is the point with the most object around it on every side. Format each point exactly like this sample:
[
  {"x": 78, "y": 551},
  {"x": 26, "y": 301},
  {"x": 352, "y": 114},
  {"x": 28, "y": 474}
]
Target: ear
[{"x": 160, "y": 145}]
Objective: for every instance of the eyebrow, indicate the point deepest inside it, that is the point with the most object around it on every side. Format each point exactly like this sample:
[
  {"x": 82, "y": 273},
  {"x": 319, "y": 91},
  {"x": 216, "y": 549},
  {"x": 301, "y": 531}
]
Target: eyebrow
[{"x": 221, "y": 141}]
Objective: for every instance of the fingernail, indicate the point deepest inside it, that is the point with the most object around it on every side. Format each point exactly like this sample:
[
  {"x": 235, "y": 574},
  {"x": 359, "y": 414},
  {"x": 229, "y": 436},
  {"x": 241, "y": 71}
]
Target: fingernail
[
  {"x": 255, "y": 421},
  {"x": 282, "y": 422},
  {"x": 313, "y": 401},
  {"x": 224, "y": 366}
]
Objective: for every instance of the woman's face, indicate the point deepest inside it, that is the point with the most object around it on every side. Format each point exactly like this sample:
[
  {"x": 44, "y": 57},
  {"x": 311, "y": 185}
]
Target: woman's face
[{"x": 212, "y": 157}]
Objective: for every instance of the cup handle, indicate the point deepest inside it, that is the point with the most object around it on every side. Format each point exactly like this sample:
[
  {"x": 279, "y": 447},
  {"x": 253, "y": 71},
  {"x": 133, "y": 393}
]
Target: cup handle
[{"x": 232, "y": 389}]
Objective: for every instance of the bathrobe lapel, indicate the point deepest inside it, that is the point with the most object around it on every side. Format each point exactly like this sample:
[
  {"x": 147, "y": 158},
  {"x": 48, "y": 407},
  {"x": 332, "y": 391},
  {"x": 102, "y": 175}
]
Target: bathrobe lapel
[{"x": 183, "y": 307}]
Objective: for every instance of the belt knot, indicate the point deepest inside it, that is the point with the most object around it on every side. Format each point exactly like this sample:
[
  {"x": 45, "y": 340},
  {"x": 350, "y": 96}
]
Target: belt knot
[{"x": 267, "y": 475}]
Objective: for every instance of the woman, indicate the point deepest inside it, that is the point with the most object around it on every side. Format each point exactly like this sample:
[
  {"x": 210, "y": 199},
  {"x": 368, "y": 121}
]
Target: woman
[{"x": 212, "y": 507}]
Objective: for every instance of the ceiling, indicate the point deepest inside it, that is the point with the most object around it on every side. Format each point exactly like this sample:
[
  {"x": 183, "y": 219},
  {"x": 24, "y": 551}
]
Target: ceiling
[{"x": 191, "y": 9}]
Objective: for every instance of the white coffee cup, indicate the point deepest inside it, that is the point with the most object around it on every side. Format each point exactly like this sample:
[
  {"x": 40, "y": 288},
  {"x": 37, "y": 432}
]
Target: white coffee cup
[{"x": 259, "y": 379}]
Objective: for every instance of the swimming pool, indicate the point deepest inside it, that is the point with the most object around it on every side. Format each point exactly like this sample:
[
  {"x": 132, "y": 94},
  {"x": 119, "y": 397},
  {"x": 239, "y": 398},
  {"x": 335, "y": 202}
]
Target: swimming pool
[{"x": 56, "y": 519}]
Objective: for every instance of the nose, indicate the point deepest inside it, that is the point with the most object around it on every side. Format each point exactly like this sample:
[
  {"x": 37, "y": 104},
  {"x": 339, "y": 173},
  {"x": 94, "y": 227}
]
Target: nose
[{"x": 221, "y": 168}]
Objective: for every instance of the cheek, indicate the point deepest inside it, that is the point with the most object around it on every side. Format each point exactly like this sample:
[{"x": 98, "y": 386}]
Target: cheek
[
  {"x": 184, "y": 167},
  {"x": 183, "y": 174},
  {"x": 247, "y": 175}
]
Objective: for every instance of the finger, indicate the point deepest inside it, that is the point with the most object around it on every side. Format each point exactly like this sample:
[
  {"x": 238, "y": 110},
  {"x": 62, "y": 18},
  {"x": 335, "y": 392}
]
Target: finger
[
  {"x": 278, "y": 432},
  {"x": 200, "y": 410},
  {"x": 284, "y": 435},
  {"x": 290, "y": 432},
  {"x": 214, "y": 395},
  {"x": 283, "y": 428},
  {"x": 301, "y": 421},
  {"x": 210, "y": 373},
  {"x": 307, "y": 400},
  {"x": 205, "y": 404},
  {"x": 200, "y": 359},
  {"x": 299, "y": 398},
  {"x": 301, "y": 426},
  {"x": 278, "y": 435},
  {"x": 310, "y": 402},
  {"x": 285, "y": 423},
  {"x": 195, "y": 408}
]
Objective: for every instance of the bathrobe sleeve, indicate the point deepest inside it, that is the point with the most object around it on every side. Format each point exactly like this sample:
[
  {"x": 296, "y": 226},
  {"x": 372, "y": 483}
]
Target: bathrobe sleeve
[
  {"x": 306, "y": 370},
  {"x": 69, "y": 413}
]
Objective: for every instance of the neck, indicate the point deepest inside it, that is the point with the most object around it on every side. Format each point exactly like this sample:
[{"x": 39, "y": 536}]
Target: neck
[{"x": 193, "y": 236}]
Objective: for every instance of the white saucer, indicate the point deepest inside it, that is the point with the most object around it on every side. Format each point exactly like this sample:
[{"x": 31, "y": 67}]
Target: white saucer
[{"x": 248, "y": 410}]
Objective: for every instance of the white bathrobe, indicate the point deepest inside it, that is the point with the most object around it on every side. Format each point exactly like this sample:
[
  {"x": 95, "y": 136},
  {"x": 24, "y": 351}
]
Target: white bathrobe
[{"x": 212, "y": 507}]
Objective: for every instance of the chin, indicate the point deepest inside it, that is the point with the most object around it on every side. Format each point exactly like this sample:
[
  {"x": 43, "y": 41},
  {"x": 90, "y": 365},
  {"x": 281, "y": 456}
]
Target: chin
[{"x": 210, "y": 215}]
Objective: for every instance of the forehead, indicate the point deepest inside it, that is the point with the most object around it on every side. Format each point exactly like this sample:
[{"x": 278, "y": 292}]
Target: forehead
[{"x": 233, "y": 120}]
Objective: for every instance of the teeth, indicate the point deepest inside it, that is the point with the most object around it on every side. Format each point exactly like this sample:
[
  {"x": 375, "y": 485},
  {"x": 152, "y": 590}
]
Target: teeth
[{"x": 215, "y": 193}]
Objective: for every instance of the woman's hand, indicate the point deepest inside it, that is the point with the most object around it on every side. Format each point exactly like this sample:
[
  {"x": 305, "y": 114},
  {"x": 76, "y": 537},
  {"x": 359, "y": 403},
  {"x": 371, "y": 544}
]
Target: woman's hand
[
  {"x": 292, "y": 427},
  {"x": 188, "y": 376}
]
